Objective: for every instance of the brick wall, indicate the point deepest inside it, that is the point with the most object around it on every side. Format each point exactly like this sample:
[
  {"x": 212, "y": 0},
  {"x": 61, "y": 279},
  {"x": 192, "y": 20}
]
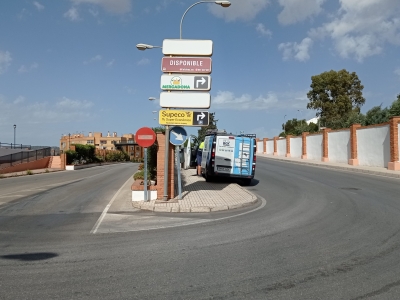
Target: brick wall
[{"x": 160, "y": 168}]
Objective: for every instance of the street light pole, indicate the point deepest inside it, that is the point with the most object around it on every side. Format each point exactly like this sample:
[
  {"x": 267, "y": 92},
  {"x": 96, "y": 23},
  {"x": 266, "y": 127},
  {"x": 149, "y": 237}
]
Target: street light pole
[
  {"x": 15, "y": 128},
  {"x": 222, "y": 3}
]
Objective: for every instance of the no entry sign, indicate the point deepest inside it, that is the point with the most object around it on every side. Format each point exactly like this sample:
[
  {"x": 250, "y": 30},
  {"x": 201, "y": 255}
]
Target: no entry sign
[{"x": 145, "y": 137}]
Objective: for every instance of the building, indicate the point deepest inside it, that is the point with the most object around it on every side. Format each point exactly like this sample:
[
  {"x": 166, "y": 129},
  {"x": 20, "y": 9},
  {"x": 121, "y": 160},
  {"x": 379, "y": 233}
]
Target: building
[{"x": 112, "y": 141}]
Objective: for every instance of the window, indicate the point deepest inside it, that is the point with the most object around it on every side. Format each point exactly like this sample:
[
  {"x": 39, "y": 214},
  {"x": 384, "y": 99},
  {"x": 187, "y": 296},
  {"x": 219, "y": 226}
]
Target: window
[
  {"x": 103, "y": 142},
  {"x": 90, "y": 142}
]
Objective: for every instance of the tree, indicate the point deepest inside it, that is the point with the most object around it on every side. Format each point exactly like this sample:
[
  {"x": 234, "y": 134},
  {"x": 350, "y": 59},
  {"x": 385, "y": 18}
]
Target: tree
[
  {"x": 335, "y": 94},
  {"x": 394, "y": 109},
  {"x": 377, "y": 115},
  {"x": 297, "y": 127},
  {"x": 353, "y": 117},
  {"x": 211, "y": 125}
]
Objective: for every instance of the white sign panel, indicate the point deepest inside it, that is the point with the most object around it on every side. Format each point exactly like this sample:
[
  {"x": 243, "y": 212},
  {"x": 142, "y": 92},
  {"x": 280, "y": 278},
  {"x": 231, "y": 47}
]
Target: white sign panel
[
  {"x": 187, "y": 47},
  {"x": 185, "y": 100},
  {"x": 182, "y": 82}
]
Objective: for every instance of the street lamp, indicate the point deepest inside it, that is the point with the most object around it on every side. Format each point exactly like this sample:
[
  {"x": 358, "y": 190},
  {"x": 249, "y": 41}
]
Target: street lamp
[
  {"x": 146, "y": 46},
  {"x": 15, "y": 128},
  {"x": 222, "y": 3}
]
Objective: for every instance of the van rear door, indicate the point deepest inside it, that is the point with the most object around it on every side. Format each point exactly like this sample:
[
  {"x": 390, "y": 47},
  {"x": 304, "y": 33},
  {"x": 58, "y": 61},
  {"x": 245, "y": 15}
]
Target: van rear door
[
  {"x": 224, "y": 154},
  {"x": 243, "y": 156}
]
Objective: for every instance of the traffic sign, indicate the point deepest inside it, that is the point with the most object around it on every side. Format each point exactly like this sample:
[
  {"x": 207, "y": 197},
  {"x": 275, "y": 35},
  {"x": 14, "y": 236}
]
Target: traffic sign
[
  {"x": 185, "y": 99},
  {"x": 191, "y": 65},
  {"x": 186, "y": 82},
  {"x": 145, "y": 137},
  {"x": 184, "y": 117},
  {"x": 177, "y": 135},
  {"x": 187, "y": 47}
]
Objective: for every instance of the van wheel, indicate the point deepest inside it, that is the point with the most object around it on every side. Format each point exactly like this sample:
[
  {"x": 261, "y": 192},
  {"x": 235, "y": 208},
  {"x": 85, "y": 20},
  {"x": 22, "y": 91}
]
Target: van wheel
[{"x": 206, "y": 176}]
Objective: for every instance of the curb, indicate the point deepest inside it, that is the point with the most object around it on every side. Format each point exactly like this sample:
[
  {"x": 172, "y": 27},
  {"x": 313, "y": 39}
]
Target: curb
[
  {"x": 196, "y": 209},
  {"x": 341, "y": 168}
]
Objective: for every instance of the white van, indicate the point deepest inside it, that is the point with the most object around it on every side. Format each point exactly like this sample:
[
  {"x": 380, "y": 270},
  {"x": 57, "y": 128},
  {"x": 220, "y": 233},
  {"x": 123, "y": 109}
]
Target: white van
[{"x": 229, "y": 155}]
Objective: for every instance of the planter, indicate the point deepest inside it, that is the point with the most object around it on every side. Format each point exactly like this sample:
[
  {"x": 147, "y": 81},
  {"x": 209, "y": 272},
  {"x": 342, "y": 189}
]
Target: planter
[{"x": 138, "y": 191}]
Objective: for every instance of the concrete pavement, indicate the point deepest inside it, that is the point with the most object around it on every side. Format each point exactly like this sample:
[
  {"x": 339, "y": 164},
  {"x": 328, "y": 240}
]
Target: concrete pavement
[{"x": 201, "y": 196}]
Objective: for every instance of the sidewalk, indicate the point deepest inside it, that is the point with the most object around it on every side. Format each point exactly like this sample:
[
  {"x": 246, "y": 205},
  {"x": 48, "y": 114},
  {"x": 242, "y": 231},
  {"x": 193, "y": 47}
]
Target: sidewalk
[
  {"x": 338, "y": 166},
  {"x": 24, "y": 173},
  {"x": 201, "y": 196}
]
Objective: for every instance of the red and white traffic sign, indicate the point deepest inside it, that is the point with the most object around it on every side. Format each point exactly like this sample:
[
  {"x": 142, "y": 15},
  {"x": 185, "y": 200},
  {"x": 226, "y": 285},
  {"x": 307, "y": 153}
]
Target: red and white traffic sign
[
  {"x": 145, "y": 137},
  {"x": 194, "y": 65}
]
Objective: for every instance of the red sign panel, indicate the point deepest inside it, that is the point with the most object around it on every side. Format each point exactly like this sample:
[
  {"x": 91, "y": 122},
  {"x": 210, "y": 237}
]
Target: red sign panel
[
  {"x": 200, "y": 65},
  {"x": 145, "y": 137}
]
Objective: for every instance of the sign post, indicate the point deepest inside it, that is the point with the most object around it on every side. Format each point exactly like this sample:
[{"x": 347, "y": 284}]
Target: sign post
[
  {"x": 177, "y": 136},
  {"x": 145, "y": 137}
]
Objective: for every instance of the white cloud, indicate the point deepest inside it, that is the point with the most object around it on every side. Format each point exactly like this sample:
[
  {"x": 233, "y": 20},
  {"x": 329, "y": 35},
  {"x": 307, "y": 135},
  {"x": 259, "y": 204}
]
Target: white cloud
[
  {"x": 239, "y": 10},
  {"x": 5, "y": 61},
  {"x": 144, "y": 61},
  {"x": 111, "y": 63},
  {"x": 38, "y": 5},
  {"x": 93, "y": 59},
  {"x": 296, "y": 11},
  {"x": 24, "y": 69},
  {"x": 264, "y": 31},
  {"x": 20, "y": 99},
  {"x": 361, "y": 28},
  {"x": 114, "y": 6},
  {"x": 72, "y": 14},
  {"x": 397, "y": 71},
  {"x": 228, "y": 100},
  {"x": 74, "y": 104},
  {"x": 63, "y": 110},
  {"x": 297, "y": 51}
]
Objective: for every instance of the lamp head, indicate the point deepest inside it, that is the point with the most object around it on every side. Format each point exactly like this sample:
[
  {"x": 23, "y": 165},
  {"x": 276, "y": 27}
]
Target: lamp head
[
  {"x": 223, "y": 3},
  {"x": 143, "y": 46}
]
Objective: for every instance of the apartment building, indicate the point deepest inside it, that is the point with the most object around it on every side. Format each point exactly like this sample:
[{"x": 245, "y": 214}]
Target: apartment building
[{"x": 111, "y": 141}]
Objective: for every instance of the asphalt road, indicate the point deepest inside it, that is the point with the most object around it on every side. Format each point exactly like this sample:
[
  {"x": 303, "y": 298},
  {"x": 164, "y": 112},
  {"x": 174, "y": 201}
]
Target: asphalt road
[{"x": 316, "y": 234}]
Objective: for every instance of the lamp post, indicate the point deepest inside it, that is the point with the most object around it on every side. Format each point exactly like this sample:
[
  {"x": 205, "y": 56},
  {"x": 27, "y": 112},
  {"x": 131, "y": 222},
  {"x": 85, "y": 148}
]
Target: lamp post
[
  {"x": 145, "y": 47},
  {"x": 15, "y": 129},
  {"x": 69, "y": 141},
  {"x": 222, "y": 3}
]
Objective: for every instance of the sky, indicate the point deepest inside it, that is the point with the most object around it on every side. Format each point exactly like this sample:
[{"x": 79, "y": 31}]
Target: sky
[{"x": 72, "y": 66}]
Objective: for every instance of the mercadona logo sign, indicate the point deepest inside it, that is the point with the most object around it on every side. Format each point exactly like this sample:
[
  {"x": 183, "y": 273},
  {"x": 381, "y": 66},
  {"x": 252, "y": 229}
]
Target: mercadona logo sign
[{"x": 176, "y": 84}]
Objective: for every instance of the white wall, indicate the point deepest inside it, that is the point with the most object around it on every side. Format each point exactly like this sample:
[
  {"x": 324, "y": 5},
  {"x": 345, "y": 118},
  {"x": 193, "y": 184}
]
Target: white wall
[
  {"x": 260, "y": 147},
  {"x": 296, "y": 144},
  {"x": 339, "y": 146},
  {"x": 373, "y": 146},
  {"x": 314, "y": 147},
  {"x": 281, "y": 145},
  {"x": 270, "y": 147}
]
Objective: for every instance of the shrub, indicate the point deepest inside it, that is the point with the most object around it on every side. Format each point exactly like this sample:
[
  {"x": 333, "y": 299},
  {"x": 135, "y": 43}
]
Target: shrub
[
  {"x": 71, "y": 156},
  {"x": 140, "y": 175},
  {"x": 47, "y": 171},
  {"x": 29, "y": 172},
  {"x": 141, "y": 167}
]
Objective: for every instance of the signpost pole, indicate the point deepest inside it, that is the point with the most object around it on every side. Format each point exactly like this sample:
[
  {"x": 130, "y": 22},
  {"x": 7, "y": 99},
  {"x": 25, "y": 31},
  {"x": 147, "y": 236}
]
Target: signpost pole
[
  {"x": 165, "y": 197},
  {"x": 145, "y": 174},
  {"x": 178, "y": 169}
]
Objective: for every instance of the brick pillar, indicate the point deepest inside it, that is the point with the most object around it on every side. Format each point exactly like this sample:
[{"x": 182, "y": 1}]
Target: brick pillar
[
  {"x": 63, "y": 157},
  {"x": 160, "y": 168},
  {"x": 265, "y": 145},
  {"x": 275, "y": 145},
  {"x": 288, "y": 145},
  {"x": 394, "y": 163},
  {"x": 325, "y": 154},
  {"x": 353, "y": 145},
  {"x": 304, "y": 145}
]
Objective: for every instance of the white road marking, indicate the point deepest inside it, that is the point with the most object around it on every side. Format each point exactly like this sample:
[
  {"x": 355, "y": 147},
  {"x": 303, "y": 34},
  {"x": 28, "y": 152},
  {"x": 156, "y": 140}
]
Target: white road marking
[
  {"x": 96, "y": 226},
  {"x": 191, "y": 222}
]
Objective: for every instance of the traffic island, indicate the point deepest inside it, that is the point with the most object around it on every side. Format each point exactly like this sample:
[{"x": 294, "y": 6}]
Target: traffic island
[{"x": 138, "y": 191}]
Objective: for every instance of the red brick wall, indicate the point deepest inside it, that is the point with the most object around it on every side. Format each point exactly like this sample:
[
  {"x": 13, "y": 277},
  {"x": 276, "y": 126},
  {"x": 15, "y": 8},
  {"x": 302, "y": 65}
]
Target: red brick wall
[
  {"x": 160, "y": 168},
  {"x": 33, "y": 165}
]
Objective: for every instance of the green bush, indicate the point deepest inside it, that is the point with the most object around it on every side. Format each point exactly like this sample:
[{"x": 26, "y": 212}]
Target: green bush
[
  {"x": 140, "y": 175},
  {"x": 71, "y": 156},
  {"x": 29, "y": 172},
  {"x": 85, "y": 153}
]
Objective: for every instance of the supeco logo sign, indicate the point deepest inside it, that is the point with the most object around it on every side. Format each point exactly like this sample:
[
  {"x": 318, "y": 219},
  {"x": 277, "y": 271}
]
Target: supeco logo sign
[{"x": 183, "y": 117}]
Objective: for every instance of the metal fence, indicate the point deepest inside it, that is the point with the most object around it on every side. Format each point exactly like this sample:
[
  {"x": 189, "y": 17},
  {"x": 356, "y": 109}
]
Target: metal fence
[
  {"x": 14, "y": 146},
  {"x": 23, "y": 157}
]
